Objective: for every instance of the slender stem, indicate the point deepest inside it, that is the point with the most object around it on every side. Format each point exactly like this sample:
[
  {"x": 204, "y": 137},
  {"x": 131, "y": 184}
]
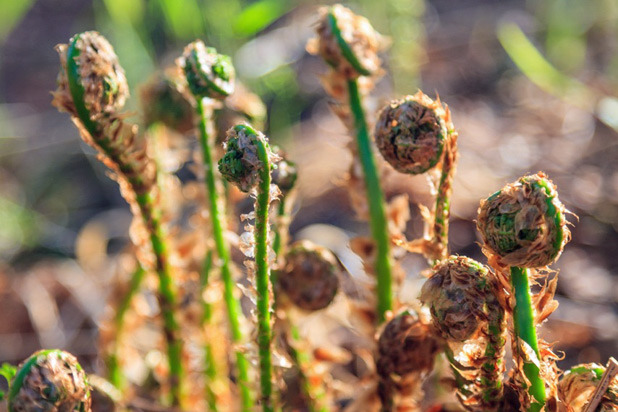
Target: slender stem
[
  {"x": 211, "y": 364},
  {"x": 523, "y": 320},
  {"x": 493, "y": 367},
  {"x": 217, "y": 214},
  {"x": 167, "y": 295},
  {"x": 150, "y": 213},
  {"x": 378, "y": 223},
  {"x": 443, "y": 199},
  {"x": 114, "y": 371},
  {"x": 262, "y": 275}
]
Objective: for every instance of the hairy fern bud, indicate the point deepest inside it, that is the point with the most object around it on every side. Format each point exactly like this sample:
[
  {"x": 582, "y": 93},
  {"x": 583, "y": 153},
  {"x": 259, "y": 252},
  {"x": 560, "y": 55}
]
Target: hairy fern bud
[
  {"x": 50, "y": 380},
  {"x": 524, "y": 223},
  {"x": 241, "y": 164},
  {"x": 579, "y": 384},
  {"x": 406, "y": 345},
  {"x": 348, "y": 42},
  {"x": 456, "y": 296},
  {"x": 411, "y": 132},
  {"x": 92, "y": 84},
  {"x": 310, "y": 275},
  {"x": 209, "y": 74}
]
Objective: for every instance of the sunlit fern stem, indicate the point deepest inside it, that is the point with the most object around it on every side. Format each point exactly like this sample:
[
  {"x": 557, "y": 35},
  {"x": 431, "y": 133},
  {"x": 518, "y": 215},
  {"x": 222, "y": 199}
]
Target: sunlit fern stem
[
  {"x": 217, "y": 214},
  {"x": 150, "y": 214},
  {"x": 378, "y": 222},
  {"x": 443, "y": 198},
  {"x": 492, "y": 368},
  {"x": 262, "y": 275},
  {"x": 523, "y": 320},
  {"x": 115, "y": 373}
]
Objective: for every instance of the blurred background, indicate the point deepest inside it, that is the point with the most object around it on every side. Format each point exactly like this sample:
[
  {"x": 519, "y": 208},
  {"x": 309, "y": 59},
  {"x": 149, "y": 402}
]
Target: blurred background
[{"x": 530, "y": 84}]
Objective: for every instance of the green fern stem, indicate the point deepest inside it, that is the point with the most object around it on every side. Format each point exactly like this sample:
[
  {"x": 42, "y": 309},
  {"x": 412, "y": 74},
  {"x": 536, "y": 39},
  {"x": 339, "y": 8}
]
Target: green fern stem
[
  {"x": 492, "y": 368},
  {"x": 378, "y": 223},
  {"x": 523, "y": 320},
  {"x": 150, "y": 215},
  {"x": 262, "y": 275},
  {"x": 217, "y": 214},
  {"x": 443, "y": 198}
]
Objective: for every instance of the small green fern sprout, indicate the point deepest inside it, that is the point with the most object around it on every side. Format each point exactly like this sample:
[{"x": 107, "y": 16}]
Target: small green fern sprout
[
  {"x": 523, "y": 226},
  {"x": 462, "y": 297},
  {"x": 92, "y": 89},
  {"x": 50, "y": 380},
  {"x": 406, "y": 352},
  {"x": 414, "y": 135},
  {"x": 349, "y": 44},
  {"x": 247, "y": 163},
  {"x": 210, "y": 76}
]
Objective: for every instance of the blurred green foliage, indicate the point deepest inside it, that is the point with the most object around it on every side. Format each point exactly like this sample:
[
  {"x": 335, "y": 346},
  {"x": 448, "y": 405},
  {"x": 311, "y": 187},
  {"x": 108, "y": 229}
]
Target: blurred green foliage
[{"x": 11, "y": 12}]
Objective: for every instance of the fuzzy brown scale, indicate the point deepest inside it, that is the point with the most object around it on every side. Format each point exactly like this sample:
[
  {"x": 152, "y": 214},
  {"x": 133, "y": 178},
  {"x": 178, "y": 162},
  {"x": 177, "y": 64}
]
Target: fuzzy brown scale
[
  {"x": 310, "y": 276},
  {"x": 55, "y": 382},
  {"x": 519, "y": 223},
  {"x": 363, "y": 41},
  {"x": 411, "y": 133}
]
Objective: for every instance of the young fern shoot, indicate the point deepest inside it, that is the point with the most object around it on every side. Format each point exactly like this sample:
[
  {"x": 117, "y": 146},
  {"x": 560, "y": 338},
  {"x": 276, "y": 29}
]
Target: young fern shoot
[
  {"x": 92, "y": 88},
  {"x": 462, "y": 296},
  {"x": 49, "y": 380},
  {"x": 414, "y": 135},
  {"x": 349, "y": 44},
  {"x": 406, "y": 352},
  {"x": 247, "y": 163},
  {"x": 210, "y": 76},
  {"x": 523, "y": 226}
]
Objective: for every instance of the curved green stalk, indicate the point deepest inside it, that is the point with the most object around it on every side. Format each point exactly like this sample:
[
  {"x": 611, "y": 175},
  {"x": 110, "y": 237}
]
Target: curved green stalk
[
  {"x": 443, "y": 199},
  {"x": 523, "y": 320},
  {"x": 150, "y": 214},
  {"x": 217, "y": 214},
  {"x": 262, "y": 275},
  {"x": 115, "y": 374},
  {"x": 492, "y": 369},
  {"x": 378, "y": 223}
]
